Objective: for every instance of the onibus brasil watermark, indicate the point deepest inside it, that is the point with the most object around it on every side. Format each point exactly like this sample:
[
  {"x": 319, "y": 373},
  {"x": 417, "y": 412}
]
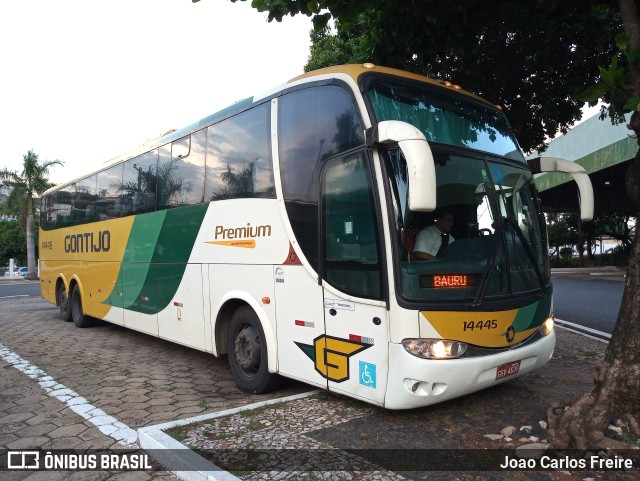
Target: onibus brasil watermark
[{"x": 39, "y": 460}]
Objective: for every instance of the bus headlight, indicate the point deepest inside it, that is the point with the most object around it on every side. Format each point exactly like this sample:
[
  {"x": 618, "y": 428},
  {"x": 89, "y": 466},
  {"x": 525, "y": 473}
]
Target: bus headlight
[
  {"x": 434, "y": 348},
  {"x": 547, "y": 326}
]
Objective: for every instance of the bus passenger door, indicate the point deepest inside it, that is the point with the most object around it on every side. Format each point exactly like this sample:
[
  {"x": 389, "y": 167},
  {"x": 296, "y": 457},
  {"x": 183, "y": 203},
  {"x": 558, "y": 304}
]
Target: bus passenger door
[{"x": 355, "y": 351}]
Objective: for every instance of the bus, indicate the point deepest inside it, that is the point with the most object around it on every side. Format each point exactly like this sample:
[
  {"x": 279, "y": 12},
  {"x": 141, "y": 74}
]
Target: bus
[{"x": 281, "y": 232}]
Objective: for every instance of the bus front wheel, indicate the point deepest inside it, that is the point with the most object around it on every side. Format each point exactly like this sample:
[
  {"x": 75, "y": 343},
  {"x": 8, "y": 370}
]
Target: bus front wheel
[
  {"x": 247, "y": 348},
  {"x": 62, "y": 300},
  {"x": 80, "y": 319}
]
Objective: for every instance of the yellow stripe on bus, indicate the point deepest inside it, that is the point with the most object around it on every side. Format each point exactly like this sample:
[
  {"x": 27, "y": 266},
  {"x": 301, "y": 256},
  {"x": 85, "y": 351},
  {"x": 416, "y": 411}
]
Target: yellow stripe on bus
[
  {"x": 91, "y": 253},
  {"x": 486, "y": 329}
]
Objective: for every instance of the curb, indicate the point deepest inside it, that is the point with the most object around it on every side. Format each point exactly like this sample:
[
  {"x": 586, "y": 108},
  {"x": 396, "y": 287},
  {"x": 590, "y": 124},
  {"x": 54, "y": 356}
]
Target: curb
[
  {"x": 587, "y": 271},
  {"x": 184, "y": 462}
]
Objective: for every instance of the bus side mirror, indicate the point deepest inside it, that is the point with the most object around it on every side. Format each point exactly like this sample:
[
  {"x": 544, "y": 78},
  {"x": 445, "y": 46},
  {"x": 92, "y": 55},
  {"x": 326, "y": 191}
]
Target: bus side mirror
[
  {"x": 553, "y": 164},
  {"x": 421, "y": 169}
]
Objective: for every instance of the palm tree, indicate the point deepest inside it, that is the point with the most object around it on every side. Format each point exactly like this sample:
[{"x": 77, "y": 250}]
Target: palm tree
[{"x": 32, "y": 181}]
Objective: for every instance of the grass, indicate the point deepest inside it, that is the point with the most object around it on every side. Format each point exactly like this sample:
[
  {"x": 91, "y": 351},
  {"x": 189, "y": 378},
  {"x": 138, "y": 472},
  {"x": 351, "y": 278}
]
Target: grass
[
  {"x": 179, "y": 433},
  {"x": 322, "y": 395}
]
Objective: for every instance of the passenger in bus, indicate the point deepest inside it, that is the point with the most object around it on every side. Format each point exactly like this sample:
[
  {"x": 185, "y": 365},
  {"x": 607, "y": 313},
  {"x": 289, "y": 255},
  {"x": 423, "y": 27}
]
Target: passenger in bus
[{"x": 431, "y": 240}]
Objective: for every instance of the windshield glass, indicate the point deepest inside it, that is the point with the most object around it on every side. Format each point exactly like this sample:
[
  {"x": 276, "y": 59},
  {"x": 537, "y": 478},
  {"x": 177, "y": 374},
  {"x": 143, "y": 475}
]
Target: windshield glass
[
  {"x": 447, "y": 119},
  {"x": 494, "y": 243}
]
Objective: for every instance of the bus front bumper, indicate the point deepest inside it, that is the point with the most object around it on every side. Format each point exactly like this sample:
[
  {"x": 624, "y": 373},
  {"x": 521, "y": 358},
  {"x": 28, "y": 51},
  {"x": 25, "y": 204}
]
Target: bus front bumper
[{"x": 415, "y": 382}]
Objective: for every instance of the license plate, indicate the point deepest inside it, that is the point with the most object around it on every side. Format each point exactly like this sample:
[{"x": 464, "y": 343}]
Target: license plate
[{"x": 508, "y": 369}]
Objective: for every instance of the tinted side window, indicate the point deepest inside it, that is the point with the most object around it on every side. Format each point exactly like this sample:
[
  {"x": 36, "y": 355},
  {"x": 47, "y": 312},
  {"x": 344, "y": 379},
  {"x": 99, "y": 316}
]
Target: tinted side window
[
  {"x": 350, "y": 233},
  {"x": 139, "y": 182},
  {"x": 47, "y": 214},
  {"x": 63, "y": 205},
  {"x": 83, "y": 210},
  {"x": 182, "y": 175},
  {"x": 239, "y": 156},
  {"x": 314, "y": 124},
  {"x": 108, "y": 204}
]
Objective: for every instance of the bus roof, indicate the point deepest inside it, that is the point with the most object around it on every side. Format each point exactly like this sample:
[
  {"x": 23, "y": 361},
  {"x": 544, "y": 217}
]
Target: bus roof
[{"x": 355, "y": 71}]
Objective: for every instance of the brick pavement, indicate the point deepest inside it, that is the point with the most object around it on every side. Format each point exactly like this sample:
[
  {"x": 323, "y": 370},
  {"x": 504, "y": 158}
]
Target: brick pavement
[{"x": 138, "y": 379}]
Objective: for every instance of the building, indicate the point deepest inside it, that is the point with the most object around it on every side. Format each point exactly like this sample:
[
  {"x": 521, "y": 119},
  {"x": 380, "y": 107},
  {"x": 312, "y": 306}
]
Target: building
[{"x": 605, "y": 151}]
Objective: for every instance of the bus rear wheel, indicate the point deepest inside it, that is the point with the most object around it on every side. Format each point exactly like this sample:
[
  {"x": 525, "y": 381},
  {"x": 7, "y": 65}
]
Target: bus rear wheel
[
  {"x": 62, "y": 301},
  {"x": 247, "y": 348},
  {"x": 80, "y": 319}
]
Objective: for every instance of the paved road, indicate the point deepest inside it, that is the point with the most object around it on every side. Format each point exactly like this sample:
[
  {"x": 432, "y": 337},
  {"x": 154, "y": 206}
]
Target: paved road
[
  {"x": 18, "y": 288},
  {"x": 103, "y": 383},
  {"x": 588, "y": 300},
  {"x": 110, "y": 376}
]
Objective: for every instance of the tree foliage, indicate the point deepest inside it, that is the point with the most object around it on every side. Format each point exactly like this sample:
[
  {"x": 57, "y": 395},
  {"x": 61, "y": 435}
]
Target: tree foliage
[
  {"x": 328, "y": 48},
  {"x": 567, "y": 232},
  {"x": 32, "y": 181},
  {"x": 13, "y": 243},
  {"x": 533, "y": 57},
  {"x": 24, "y": 186}
]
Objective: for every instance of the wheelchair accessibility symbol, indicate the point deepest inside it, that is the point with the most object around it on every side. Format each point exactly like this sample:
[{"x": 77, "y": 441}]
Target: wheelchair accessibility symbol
[{"x": 368, "y": 374}]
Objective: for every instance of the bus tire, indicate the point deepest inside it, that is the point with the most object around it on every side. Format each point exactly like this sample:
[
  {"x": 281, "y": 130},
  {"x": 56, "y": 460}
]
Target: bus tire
[
  {"x": 80, "y": 319},
  {"x": 62, "y": 301},
  {"x": 247, "y": 350}
]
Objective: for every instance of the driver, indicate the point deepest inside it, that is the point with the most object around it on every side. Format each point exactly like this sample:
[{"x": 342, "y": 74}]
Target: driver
[{"x": 431, "y": 240}]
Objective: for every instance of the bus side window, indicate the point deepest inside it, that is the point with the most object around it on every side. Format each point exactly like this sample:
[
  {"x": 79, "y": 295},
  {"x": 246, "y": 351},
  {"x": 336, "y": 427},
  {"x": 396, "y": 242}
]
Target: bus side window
[
  {"x": 351, "y": 247},
  {"x": 108, "y": 202},
  {"x": 239, "y": 156},
  {"x": 181, "y": 176},
  {"x": 46, "y": 210},
  {"x": 83, "y": 201},
  {"x": 139, "y": 181},
  {"x": 314, "y": 124},
  {"x": 64, "y": 204}
]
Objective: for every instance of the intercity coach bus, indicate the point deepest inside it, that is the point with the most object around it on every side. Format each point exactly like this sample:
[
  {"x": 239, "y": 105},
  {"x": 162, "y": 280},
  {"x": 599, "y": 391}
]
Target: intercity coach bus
[{"x": 281, "y": 232}]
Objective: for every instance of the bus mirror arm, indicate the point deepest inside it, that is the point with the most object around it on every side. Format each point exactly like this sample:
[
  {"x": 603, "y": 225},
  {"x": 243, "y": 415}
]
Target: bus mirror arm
[
  {"x": 540, "y": 165},
  {"x": 421, "y": 171}
]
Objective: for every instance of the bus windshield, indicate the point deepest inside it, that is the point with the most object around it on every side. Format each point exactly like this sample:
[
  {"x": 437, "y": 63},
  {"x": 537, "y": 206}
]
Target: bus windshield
[
  {"x": 447, "y": 119},
  {"x": 497, "y": 244}
]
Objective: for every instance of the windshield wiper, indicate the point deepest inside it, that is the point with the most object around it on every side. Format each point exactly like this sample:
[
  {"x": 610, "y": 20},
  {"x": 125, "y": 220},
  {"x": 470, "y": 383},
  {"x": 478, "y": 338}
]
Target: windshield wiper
[
  {"x": 529, "y": 251},
  {"x": 486, "y": 273}
]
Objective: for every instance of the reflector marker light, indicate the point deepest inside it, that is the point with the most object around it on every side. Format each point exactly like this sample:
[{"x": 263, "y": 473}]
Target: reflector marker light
[
  {"x": 177, "y": 304},
  {"x": 304, "y": 323},
  {"x": 362, "y": 339}
]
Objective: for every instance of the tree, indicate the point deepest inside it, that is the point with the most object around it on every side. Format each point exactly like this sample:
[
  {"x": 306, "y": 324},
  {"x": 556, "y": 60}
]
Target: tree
[
  {"x": 534, "y": 57},
  {"x": 562, "y": 237},
  {"x": 12, "y": 242},
  {"x": 346, "y": 46},
  {"x": 495, "y": 48},
  {"x": 24, "y": 186},
  {"x": 568, "y": 230}
]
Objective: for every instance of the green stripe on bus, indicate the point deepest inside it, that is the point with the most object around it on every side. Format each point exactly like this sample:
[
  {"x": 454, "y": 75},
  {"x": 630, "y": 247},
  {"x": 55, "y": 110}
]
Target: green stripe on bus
[
  {"x": 532, "y": 315},
  {"x": 168, "y": 263},
  {"x": 137, "y": 257}
]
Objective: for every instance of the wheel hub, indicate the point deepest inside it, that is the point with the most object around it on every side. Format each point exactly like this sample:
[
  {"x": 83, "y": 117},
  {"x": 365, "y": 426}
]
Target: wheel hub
[{"x": 247, "y": 349}]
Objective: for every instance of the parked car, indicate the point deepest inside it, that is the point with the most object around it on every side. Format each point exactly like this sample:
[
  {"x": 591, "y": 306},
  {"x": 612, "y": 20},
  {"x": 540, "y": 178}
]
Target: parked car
[{"x": 17, "y": 272}]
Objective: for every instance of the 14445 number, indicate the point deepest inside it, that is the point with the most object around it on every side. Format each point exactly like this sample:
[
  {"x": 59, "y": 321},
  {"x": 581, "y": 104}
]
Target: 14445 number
[{"x": 479, "y": 325}]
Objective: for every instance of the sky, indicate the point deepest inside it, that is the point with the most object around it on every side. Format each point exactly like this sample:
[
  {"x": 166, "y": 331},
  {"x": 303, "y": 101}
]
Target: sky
[{"x": 83, "y": 82}]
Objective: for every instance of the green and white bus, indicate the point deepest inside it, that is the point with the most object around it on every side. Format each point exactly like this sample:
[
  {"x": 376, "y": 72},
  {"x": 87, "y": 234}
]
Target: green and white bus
[{"x": 280, "y": 232}]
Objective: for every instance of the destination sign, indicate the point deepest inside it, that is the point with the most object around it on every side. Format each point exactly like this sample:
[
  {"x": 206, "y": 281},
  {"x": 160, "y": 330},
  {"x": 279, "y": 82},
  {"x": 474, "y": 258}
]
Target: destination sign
[{"x": 436, "y": 281}]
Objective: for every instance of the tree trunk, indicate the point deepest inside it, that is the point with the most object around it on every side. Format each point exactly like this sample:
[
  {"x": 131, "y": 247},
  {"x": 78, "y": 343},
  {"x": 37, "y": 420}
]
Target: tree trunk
[{"x": 31, "y": 248}]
